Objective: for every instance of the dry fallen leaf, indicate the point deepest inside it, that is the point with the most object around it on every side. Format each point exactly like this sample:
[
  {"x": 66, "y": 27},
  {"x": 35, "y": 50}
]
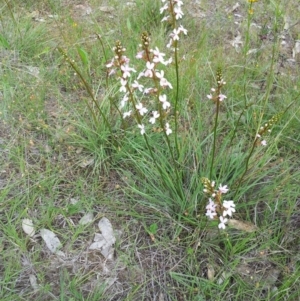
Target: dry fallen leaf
[
  {"x": 87, "y": 218},
  {"x": 250, "y": 51},
  {"x": 86, "y": 162},
  {"x": 296, "y": 48},
  {"x": 28, "y": 227},
  {"x": 35, "y": 71},
  {"x": 287, "y": 22},
  {"x": 84, "y": 9},
  {"x": 233, "y": 8},
  {"x": 104, "y": 241},
  {"x": 223, "y": 277},
  {"x": 210, "y": 272},
  {"x": 244, "y": 226},
  {"x": 99, "y": 242},
  {"x": 52, "y": 241},
  {"x": 33, "y": 282},
  {"x": 237, "y": 42},
  {"x": 265, "y": 278},
  {"x": 107, "y": 230},
  {"x": 106, "y": 9}
]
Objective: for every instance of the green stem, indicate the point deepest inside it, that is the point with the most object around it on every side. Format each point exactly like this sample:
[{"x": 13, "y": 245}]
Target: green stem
[
  {"x": 13, "y": 18},
  {"x": 176, "y": 99},
  {"x": 246, "y": 48},
  {"x": 238, "y": 121},
  {"x": 246, "y": 167},
  {"x": 215, "y": 139},
  {"x": 104, "y": 54},
  {"x": 89, "y": 90},
  {"x": 251, "y": 152}
]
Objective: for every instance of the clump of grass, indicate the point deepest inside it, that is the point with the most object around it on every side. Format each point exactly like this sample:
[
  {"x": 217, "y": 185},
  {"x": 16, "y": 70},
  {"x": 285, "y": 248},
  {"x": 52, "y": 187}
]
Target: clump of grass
[
  {"x": 146, "y": 98},
  {"x": 163, "y": 161}
]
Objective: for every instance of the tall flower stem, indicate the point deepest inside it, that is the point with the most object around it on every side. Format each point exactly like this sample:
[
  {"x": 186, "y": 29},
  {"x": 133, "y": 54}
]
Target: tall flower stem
[
  {"x": 264, "y": 129},
  {"x": 89, "y": 91},
  {"x": 246, "y": 166},
  {"x": 176, "y": 98},
  {"x": 217, "y": 99},
  {"x": 238, "y": 121},
  {"x": 176, "y": 13},
  {"x": 215, "y": 139},
  {"x": 245, "y": 50}
]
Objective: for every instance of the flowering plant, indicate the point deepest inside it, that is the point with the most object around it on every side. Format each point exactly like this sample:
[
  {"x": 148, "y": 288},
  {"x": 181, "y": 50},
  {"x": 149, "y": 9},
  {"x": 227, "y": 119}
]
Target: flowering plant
[
  {"x": 148, "y": 99},
  {"x": 216, "y": 207}
]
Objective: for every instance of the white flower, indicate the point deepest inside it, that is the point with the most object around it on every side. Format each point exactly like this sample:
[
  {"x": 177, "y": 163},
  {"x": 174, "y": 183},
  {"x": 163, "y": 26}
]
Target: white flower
[
  {"x": 124, "y": 100},
  {"x": 149, "y": 65},
  {"x": 209, "y": 96},
  {"x": 158, "y": 56},
  {"x": 160, "y": 74},
  {"x": 175, "y": 34},
  {"x": 168, "y": 130},
  {"x": 211, "y": 205},
  {"x": 223, "y": 189},
  {"x": 182, "y": 29},
  {"x": 166, "y": 18},
  {"x": 167, "y": 62},
  {"x": 123, "y": 88},
  {"x": 126, "y": 71},
  {"x": 163, "y": 98},
  {"x": 223, "y": 221},
  {"x": 149, "y": 71},
  {"x": 178, "y": 12},
  {"x": 125, "y": 59},
  {"x": 111, "y": 72},
  {"x": 141, "y": 109},
  {"x": 141, "y": 74},
  {"x": 164, "y": 83},
  {"x": 126, "y": 114},
  {"x": 110, "y": 64},
  {"x": 142, "y": 127},
  {"x": 210, "y": 214},
  {"x": 222, "y": 97},
  {"x": 230, "y": 208},
  {"x": 263, "y": 142},
  {"x": 140, "y": 54},
  {"x": 211, "y": 209},
  {"x": 165, "y": 7},
  {"x": 136, "y": 85},
  {"x": 155, "y": 115},
  {"x": 178, "y": 2},
  {"x": 170, "y": 42},
  {"x": 148, "y": 90},
  {"x": 123, "y": 82},
  {"x": 165, "y": 103}
]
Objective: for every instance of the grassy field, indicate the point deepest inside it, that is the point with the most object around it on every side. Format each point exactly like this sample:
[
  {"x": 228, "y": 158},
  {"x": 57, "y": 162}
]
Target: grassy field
[{"x": 73, "y": 165}]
